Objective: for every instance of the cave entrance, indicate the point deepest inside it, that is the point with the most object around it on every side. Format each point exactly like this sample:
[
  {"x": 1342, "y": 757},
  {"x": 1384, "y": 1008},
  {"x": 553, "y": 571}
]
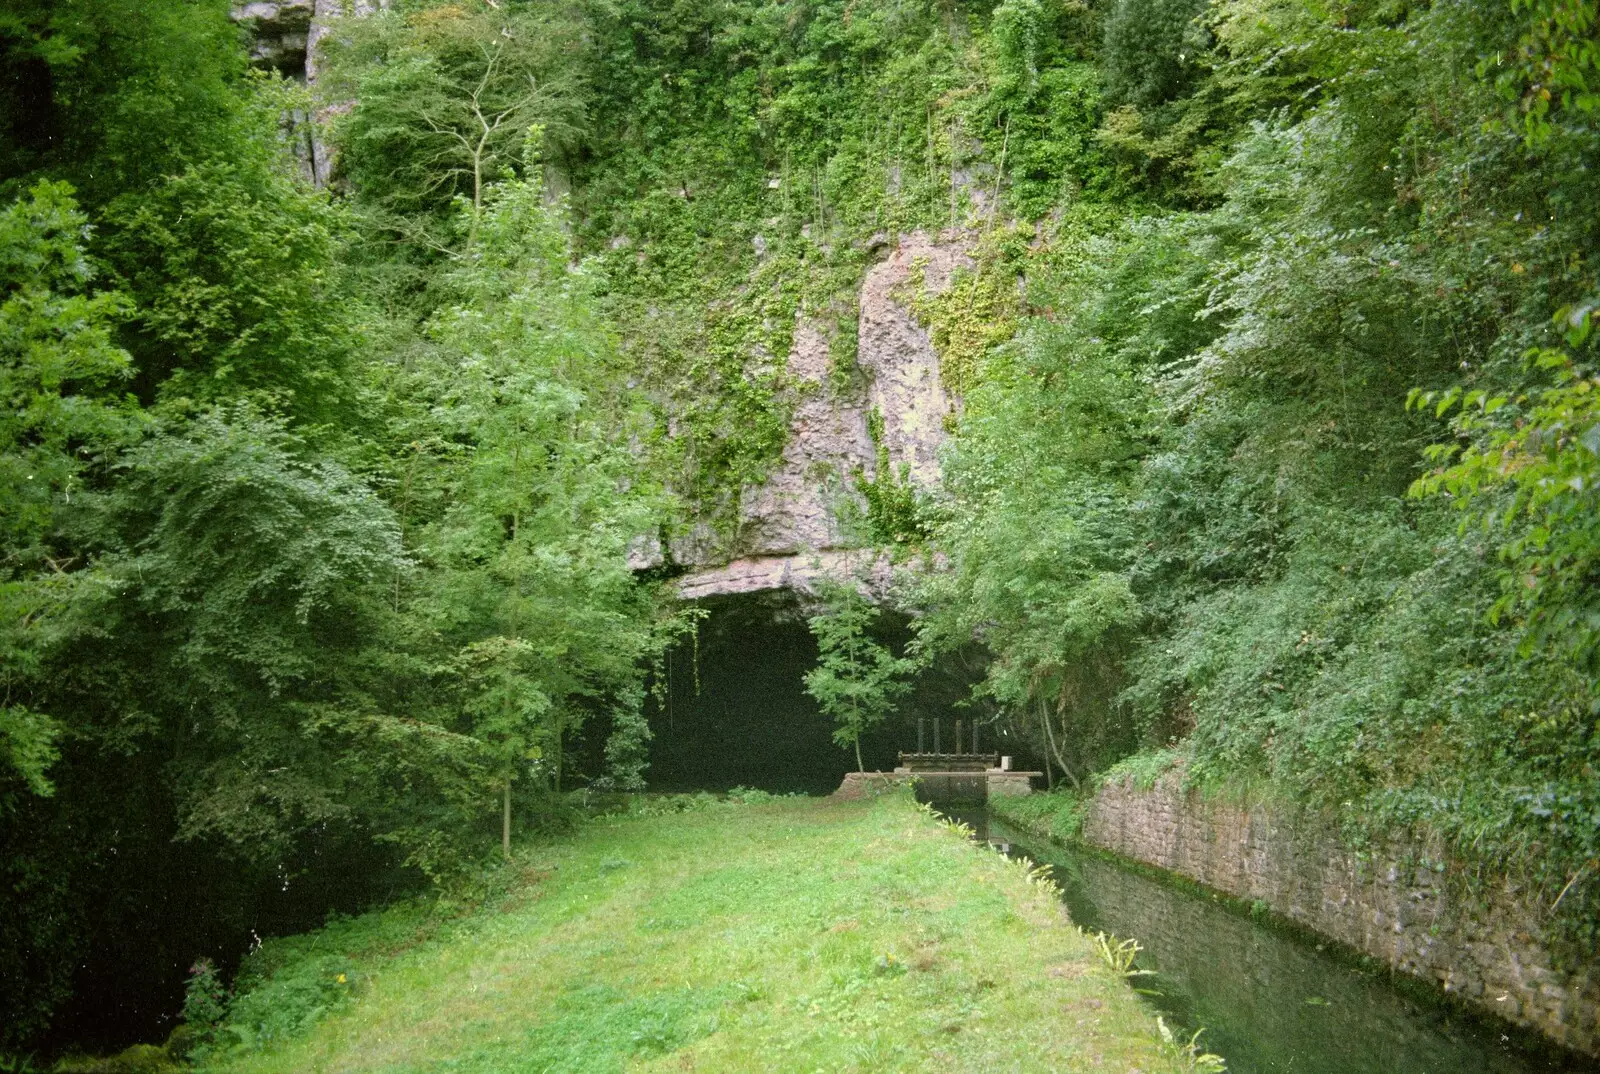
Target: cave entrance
[{"x": 734, "y": 712}]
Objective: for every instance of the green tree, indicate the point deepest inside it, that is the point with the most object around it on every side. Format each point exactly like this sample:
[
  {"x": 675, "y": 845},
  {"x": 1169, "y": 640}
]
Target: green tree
[
  {"x": 857, "y": 680},
  {"x": 446, "y": 97},
  {"x": 114, "y": 94},
  {"x": 1153, "y": 50},
  {"x": 525, "y": 487},
  {"x": 1035, "y": 517},
  {"x": 239, "y": 575},
  {"x": 231, "y": 263},
  {"x": 60, "y": 417},
  {"x": 1529, "y": 471}
]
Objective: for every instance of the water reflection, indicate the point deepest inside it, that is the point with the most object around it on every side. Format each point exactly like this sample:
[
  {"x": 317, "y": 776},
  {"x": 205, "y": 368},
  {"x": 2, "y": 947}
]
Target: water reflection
[{"x": 1270, "y": 1003}]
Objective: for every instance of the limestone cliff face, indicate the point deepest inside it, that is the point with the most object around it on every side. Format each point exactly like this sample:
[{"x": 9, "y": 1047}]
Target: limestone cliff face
[
  {"x": 283, "y": 36},
  {"x": 791, "y": 527},
  {"x": 797, "y": 508},
  {"x": 794, "y": 526},
  {"x": 279, "y": 32},
  {"x": 896, "y": 353}
]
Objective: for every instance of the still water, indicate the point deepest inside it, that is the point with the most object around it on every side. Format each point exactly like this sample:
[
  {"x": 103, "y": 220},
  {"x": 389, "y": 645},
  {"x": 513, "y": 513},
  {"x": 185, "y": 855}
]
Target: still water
[{"x": 1269, "y": 1003}]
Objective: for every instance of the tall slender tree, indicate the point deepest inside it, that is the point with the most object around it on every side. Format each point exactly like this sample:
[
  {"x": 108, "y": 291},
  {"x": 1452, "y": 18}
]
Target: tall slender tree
[{"x": 858, "y": 680}]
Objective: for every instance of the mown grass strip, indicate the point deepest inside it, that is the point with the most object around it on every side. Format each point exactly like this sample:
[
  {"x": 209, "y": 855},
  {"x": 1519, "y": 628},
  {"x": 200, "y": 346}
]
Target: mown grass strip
[{"x": 793, "y": 936}]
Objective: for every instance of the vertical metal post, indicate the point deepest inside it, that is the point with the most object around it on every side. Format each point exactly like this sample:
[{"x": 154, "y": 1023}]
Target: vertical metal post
[
  {"x": 921, "y": 726},
  {"x": 936, "y": 724},
  {"x": 958, "y": 736},
  {"x": 974, "y": 736}
]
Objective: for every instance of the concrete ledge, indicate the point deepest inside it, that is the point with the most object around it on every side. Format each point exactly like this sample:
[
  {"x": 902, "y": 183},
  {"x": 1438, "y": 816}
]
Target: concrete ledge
[
  {"x": 858, "y": 785},
  {"x": 939, "y": 786},
  {"x": 1008, "y": 784}
]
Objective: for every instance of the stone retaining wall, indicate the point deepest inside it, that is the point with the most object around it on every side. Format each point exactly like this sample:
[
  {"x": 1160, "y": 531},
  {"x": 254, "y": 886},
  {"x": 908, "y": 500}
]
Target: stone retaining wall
[{"x": 1393, "y": 906}]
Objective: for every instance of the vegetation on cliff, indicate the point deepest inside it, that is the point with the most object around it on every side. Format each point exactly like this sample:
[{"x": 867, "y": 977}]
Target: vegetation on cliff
[{"x": 1189, "y": 504}]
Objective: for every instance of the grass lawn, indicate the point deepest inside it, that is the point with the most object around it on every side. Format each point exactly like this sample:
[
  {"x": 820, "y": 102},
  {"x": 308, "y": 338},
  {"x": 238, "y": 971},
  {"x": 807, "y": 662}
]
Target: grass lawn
[{"x": 800, "y": 935}]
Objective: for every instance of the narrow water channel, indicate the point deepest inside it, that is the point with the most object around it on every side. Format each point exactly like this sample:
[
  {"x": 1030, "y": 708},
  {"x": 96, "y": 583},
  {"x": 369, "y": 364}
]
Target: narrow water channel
[{"x": 1268, "y": 1002}]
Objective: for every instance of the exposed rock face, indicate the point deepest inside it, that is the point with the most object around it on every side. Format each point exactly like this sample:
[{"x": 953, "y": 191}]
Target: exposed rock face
[
  {"x": 896, "y": 352},
  {"x": 283, "y": 35},
  {"x": 797, "y": 518},
  {"x": 327, "y": 11},
  {"x": 790, "y": 528},
  {"x": 796, "y": 509},
  {"x": 756, "y": 574},
  {"x": 280, "y": 32}
]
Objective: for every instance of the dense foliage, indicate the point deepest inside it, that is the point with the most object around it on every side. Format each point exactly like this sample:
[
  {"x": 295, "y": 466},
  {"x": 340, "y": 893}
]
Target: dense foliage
[
  {"x": 313, "y": 579},
  {"x": 317, "y": 501},
  {"x": 1188, "y": 505}
]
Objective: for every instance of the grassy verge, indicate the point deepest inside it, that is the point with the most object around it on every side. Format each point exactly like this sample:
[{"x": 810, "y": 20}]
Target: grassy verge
[{"x": 791, "y": 936}]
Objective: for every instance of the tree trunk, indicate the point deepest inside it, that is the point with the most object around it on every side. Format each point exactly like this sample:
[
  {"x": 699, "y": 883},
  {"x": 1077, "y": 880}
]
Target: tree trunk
[
  {"x": 859, "y": 766},
  {"x": 505, "y": 822},
  {"x": 1044, "y": 718},
  {"x": 561, "y": 734}
]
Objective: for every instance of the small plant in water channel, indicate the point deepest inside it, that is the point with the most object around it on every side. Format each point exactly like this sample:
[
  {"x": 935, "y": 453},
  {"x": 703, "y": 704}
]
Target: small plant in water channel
[
  {"x": 1119, "y": 954},
  {"x": 857, "y": 681},
  {"x": 1188, "y": 1052}
]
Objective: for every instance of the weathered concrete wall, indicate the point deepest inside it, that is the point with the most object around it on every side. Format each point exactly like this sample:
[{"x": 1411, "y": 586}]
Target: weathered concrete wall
[{"x": 1395, "y": 905}]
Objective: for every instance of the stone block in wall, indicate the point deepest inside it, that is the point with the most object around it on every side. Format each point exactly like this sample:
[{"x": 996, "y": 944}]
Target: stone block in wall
[{"x": 1010, "y": 784}]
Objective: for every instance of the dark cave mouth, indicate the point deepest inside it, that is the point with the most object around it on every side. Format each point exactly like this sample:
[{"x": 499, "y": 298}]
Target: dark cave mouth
[{"x": 734, "y": 711}]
